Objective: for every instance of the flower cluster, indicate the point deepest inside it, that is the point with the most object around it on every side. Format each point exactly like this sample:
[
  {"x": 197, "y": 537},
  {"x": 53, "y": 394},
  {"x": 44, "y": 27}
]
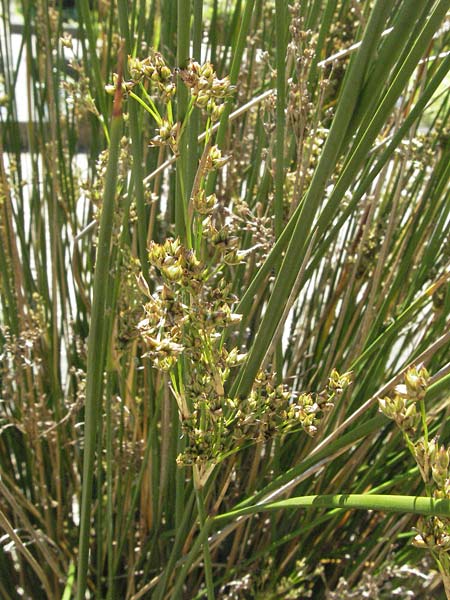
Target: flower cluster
[
  {"x": 401, "y": 407},
  {"x": 152, "y": 70},
  {"x": 264, "y": 412},
  {"x": 433, "y": 533},
  {"x": 208, "y": 91},
  {"x": 167, "y": 134},
  {"x": 186, "y": 313},
  {"x": 77, "y": 87},
  {"x": 177, "y": 264},
  {"x": 308, "y": 409},
  {"x": 215, "y": 159},
  {"x": 269, "y": 410},
  {"x": 222, "y": 239},
  {"x": 187, "y": 316},
  {"x": 370, "y": 251},
  {"x": 259, "y": 227},
  {"x": 432, "y": 459},
  {"x": 221, "y": 226},
  {"x": 204, "y": 204}
]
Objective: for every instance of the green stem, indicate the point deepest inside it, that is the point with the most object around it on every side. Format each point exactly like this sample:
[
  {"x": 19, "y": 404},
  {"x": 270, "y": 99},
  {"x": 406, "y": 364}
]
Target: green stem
[
  {"x": 146, "y": 107},
  {"x": 68, "y": 588},
  {"x": 195, "y": 117},
  {"x": 280, "y": 23},
  {"x": 96, "y": 353},
  {"x": 183, "y": 30},
  {"x": 234, "y": 75},
  {"x": 86, "y": 19},
  {"x": 153, "y": 107},
  {"x": 423, "y": 415},
  {"x": 325, "y": 24},
  {"x": 383, "y": 502},
  {"x": 136, "y": 148},
  {"x": 206, "y": 553},
  {"x": 109, "y": 491},
  {"x": 201, "y": 539},
  {"x": 180, "y": 537},
  {"x": 280, "y": 26}
]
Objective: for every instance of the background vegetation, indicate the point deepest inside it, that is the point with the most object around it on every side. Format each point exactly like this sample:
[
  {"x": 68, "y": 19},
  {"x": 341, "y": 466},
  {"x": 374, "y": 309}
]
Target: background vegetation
[{"x": 219, "y": 260}]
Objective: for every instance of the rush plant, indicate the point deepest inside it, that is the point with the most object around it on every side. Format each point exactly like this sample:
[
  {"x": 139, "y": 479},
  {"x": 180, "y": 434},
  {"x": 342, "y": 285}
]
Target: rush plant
[{"x": 224, "y": 299}]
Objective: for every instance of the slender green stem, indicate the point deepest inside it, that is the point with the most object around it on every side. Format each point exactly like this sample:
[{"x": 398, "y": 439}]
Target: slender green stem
[
  {"x": 238, "y": 51},
  {"x": 206, "y": 553},
  {"x": 385, "y": 503},
  {"x": 325, "y": 23},
  {"x": 68, "y": 589},
  {"x": 213, "y": 31},
  {"x": 280, "y": 22},
  {"x": 146, "y": 107},
  {"x": 180, "y": 537},
  {"x": 109, "y": 491},
  {"x": 136, "y": 148},
  {"x": 194, "y": 129},
  {"x": 93, "y": 58},
  {"x": 200, "y": 541},
  {"x": 181, "y": 199},
  {"x": 96, "y": 353}
]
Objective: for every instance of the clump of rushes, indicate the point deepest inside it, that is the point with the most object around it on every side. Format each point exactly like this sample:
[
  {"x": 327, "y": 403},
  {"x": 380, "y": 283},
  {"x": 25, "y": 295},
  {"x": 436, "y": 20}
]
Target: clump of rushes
[
  {"x": 406, "y": 407},
  {"x": 343, "y": 225}
]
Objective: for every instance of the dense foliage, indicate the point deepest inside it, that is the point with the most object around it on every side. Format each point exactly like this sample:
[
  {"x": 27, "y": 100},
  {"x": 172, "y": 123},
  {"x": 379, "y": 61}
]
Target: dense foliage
[{"x": 224, "y": 299}]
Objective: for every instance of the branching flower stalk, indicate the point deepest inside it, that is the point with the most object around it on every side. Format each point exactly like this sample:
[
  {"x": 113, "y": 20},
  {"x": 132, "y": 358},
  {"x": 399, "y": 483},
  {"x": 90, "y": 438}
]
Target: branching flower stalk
[{"x": 188, "y": 316}]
